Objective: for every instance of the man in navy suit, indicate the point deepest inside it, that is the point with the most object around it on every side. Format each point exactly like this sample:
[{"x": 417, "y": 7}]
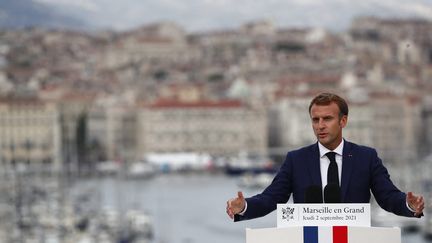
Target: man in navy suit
[{"x": 359, "y": 170}]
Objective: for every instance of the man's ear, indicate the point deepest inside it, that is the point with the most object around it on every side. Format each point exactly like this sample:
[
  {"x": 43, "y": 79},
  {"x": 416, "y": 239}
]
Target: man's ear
[{"x": 343, "y": 121}]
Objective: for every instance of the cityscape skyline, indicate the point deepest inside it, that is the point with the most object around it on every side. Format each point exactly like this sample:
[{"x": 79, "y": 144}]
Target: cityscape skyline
[{"x": 151, "y": 84}]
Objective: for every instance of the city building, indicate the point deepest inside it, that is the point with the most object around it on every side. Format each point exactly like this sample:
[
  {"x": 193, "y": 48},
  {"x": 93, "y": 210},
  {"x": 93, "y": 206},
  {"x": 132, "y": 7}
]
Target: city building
[
  {"x": 30, "y": 132},
  {"x": 396, "y": 126},
  {"x": 112, "y": 130},
  {"x": 214, "y": 127}
]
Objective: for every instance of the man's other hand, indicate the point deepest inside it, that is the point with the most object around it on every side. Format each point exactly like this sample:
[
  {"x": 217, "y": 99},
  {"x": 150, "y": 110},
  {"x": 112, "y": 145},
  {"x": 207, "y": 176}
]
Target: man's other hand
[
  {"x": 416, "y": 203},
  {"x": 235, "y": 205}
]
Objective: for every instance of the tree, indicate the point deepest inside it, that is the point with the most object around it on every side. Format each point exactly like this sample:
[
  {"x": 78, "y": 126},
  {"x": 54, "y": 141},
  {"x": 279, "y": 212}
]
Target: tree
[{"x": 81, "y": 140}]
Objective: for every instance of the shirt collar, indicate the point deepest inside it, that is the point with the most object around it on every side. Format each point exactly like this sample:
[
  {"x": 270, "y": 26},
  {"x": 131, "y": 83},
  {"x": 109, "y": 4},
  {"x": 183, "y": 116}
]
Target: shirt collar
[{"x": 338, "y": 150}]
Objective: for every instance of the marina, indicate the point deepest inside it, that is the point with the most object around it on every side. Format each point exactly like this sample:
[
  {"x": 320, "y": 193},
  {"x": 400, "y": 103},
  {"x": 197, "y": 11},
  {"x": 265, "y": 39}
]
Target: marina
[{"x": 182, "y": 207}]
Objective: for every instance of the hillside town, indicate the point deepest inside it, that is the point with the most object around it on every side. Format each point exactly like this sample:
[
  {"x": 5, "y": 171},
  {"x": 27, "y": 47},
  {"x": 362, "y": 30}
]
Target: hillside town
[
  {"x": 70, "y": 101},
  {"x": 158, "y": 89}
]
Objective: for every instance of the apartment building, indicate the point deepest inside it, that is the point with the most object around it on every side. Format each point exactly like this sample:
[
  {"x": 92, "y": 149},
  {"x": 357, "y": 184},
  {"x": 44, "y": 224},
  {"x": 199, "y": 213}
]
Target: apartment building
[
  {"x": 29, "y": 132},
  {"x": 291, "y": 126},
  {"x": 396, "y": 126},
  {"x": 158, "y": 43},
  {"x": 426, "y": 135},
  {"x": 214, "y": 127},
  {"x": 112, "y": 130}
]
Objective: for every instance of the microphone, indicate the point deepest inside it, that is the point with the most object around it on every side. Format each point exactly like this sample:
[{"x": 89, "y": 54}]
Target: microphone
[
  {"x": 332, "y": 193},
  {"x": 313, "y": 194}
]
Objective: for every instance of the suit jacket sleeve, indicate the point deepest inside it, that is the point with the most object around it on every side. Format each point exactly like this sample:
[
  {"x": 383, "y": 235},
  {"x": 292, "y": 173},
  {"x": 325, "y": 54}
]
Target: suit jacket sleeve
[
  {"x": 278, "y": 191},
  {"x": 387, "y": 195}
]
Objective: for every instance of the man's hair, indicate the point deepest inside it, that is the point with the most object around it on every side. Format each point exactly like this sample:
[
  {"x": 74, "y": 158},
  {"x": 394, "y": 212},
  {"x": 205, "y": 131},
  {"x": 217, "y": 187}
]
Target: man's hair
[{"x": 327, "y": 99}]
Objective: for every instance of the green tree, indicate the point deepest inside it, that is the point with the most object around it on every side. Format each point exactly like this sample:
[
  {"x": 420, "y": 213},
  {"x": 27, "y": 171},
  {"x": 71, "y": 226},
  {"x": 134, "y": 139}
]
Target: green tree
[{"x": 81, "y": 140}]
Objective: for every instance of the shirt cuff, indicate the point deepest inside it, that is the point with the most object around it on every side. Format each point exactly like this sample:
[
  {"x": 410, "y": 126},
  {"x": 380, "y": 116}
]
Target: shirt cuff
[
  {"x": 244, "y": 210},
  {"x": 408, "y": 206}
]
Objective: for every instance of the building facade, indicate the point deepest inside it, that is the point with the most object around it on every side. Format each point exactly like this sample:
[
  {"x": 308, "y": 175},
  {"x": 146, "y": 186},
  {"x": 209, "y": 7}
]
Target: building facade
[
  {"x": 217, "y": 128},
  {"x": 30, "y": 132},
  {"x": 112, "y": 132}
]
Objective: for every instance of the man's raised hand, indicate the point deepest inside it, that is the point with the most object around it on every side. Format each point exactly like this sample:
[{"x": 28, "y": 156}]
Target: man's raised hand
[
  {"x": 416, "y": 203},
  {"x": 235, "y": 205}
]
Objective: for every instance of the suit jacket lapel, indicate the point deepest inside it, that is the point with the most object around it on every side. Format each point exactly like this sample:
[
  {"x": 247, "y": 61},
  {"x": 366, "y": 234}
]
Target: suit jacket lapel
[
  {"x": 314, "y": 165},
  {"x": 347, "y": 168}
]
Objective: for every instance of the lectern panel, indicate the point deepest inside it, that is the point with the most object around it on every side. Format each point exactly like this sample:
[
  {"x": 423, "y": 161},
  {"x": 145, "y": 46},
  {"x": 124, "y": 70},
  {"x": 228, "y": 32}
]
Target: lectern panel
[{"x": 324, "y": 234}]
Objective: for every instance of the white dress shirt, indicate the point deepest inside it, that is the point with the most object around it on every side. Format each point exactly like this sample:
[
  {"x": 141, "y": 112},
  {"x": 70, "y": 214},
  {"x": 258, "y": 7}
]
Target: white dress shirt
[{"x": 325, "y": 162}]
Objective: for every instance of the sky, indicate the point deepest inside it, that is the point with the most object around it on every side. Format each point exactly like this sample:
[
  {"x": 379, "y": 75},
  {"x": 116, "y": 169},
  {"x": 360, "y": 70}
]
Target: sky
[{"x": 203, "y": 15}]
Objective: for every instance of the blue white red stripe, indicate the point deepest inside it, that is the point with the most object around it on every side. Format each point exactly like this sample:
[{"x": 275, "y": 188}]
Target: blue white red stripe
[
  {"x": 335, "y": 234},
  {"x": 325, "y": 235}
]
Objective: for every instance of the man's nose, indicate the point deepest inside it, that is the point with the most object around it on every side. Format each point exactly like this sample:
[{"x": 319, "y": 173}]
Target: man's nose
[{"x": 321, "y": 124}]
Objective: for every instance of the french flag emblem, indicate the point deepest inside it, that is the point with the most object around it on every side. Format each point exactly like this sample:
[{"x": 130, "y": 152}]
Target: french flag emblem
[{"x": 335, "y": 234}]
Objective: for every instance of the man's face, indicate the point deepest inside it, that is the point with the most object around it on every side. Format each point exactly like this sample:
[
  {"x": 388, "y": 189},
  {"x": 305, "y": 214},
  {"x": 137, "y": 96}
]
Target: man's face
[{"x": 327, "y": 125}]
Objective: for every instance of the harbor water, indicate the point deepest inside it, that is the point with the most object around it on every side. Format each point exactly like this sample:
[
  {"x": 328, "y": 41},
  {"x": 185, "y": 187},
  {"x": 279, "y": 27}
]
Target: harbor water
[{"x": 185, "y": 208}]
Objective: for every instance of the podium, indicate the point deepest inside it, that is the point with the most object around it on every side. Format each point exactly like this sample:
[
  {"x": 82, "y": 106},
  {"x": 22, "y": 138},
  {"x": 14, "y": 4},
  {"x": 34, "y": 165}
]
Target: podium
[
  {"x": 323, "y": 223},
  {"x": 325, "y": 234}
]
